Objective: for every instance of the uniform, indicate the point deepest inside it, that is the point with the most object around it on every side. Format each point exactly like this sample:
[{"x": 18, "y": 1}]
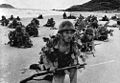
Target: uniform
[
  {"x": 57, "y": 54},
  {"x": 87, "y": 40},
  {"x": 19, "y": 38}
]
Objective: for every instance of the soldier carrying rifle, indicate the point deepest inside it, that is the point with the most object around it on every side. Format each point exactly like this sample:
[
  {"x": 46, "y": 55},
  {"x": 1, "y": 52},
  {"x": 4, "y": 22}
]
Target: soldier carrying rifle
[
  {"x": 61, "y": 51},
  {"x": 60, "y": 54}
]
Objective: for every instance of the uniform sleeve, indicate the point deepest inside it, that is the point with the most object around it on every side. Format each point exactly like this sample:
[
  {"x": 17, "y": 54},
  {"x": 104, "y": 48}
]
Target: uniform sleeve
[
  {"x": 44, "y": 59},
  {"x": 77, "y": 50},
  {"x": 76, "y": 54}
]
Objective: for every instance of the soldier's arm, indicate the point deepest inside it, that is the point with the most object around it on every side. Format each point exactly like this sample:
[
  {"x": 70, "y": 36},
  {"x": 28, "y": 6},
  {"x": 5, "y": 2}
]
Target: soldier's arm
[{"x": 45, "y": 60}]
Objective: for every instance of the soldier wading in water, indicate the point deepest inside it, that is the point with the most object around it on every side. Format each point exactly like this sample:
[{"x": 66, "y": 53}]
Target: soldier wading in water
[{"x": 62, "y": 51}]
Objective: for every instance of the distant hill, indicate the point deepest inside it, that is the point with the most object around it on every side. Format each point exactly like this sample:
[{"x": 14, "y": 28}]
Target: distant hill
[
  {"x": 96, "y": 5},
  {"x": 6, "y": 6}
]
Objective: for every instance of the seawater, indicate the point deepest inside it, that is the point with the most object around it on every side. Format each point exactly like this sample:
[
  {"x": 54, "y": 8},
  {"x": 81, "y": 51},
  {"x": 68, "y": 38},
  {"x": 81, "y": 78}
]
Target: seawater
[
  {"x": 27, "y": 12},
  {"x": 36, "y": 12}
]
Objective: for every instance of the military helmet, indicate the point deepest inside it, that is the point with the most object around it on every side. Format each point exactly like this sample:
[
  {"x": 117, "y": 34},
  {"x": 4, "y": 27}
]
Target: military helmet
[{"x": 65, "y": 26}]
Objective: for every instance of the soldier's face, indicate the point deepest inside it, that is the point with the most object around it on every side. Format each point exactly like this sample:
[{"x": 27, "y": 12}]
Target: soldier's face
[{"x": 67, "y": 35}]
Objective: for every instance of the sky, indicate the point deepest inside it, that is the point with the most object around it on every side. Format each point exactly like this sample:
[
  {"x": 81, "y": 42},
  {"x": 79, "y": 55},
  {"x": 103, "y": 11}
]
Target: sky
[{"x": 43, "y": 4}]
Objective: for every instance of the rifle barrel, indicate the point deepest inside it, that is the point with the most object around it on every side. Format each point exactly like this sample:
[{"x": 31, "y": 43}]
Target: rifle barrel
[{"x": 46, "y": 72}]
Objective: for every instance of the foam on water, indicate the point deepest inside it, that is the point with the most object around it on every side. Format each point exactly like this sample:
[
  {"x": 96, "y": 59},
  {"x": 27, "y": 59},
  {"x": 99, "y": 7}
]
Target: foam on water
[{"x": 27, "y": 12}]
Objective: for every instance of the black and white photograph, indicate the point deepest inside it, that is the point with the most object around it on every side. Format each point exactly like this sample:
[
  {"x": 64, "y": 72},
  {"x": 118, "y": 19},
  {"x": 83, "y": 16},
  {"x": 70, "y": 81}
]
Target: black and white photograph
[{"x": 59, "y": 41}]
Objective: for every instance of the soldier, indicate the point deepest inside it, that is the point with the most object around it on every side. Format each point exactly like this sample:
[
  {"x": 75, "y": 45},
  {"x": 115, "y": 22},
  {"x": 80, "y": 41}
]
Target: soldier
[
  {"x": 103, "y": 33},
  {"x": 4, "y": 21},
  {"x": 50, "y": 23},
  {"x": 118, "y": 23},
  {"x": 62, "y": 51},
  {"x": 19, "y": 38},
  {"x": 64, "y": 15},
  {"x": 80, "y": 24},
  {"x": 32, "y": 29},
  {"x": 81, "y": 17},
  {"x": 3, "y": 18},
  {"x": 18, "y": 18},
  {"x": 11, "y": 17},
  {"x": 40, "y": 16},
  {"x": 105, "y": 18},
  {"x": 71, "y": 17}
]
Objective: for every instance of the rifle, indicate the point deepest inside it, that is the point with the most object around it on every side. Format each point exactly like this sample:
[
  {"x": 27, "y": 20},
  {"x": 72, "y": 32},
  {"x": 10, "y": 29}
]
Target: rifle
[{"x": 51, "y": 71}]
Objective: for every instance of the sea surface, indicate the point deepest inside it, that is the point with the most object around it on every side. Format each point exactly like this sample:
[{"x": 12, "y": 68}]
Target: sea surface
[{"x": 36, "y": 12}]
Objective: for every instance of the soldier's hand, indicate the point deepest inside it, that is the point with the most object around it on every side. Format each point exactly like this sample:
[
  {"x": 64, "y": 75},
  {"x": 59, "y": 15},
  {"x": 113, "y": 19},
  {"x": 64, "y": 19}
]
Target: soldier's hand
[
  {"x": 53, "y": 69},
  {"x": 77, "y": 66}
]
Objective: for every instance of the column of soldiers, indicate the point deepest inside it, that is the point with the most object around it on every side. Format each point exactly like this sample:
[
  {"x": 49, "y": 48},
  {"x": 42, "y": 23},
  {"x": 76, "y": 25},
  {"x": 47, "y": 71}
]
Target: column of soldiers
[
  {"x": 61, "y": 51},
  {"x": 90, "y": 30},
  {"x": 4, "y": 21},
  {"x": 100, "y": 31},
  {"x": 50, "y": 23},
  {"x": 64, "y": 49},
  {"x": 31, "y": 29},
  {"x": 91, "y": 22},
  {"x": 20, "y": 37},
  {"x": 68, "y": 17},
  {"x": 10, "y": 22}
]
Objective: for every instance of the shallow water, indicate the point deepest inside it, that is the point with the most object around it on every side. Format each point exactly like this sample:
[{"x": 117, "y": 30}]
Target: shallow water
[
  {"x": 35, "y": 13},
  {"x": 27, "y": 12}
]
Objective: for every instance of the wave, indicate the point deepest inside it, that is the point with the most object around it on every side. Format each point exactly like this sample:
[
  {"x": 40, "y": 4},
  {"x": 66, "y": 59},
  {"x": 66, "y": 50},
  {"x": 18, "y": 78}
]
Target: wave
[
  {"x": 36, "y": 12},
  {"x": 27, "y": 12}
]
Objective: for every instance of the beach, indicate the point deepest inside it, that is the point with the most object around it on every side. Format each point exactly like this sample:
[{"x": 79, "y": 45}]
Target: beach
[{"x": 14, "y": 62}]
